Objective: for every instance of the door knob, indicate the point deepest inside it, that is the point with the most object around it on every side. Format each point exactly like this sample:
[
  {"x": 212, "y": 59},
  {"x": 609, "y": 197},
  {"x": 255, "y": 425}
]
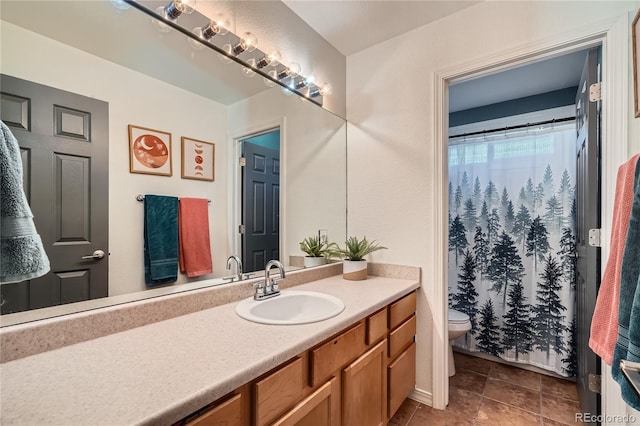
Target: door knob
[{"x": 97, "y": 255}]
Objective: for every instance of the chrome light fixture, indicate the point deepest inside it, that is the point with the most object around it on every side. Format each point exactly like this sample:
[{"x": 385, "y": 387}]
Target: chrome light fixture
[
  {"x": 172, "y": 11},
  {"x": 208, "y": 31},
  {"x": 325, "y": 90},
  {"x": 272, "y": 59},
  {"x": 288, "y": 76},
  {"x": 292, "y": 70},
  {"x": 248, "y": 43}
]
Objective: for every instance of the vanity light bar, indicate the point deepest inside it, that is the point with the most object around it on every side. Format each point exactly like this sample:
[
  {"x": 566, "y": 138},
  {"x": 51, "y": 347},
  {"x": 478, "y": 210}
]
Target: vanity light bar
[{"x": 235, "y": 51}]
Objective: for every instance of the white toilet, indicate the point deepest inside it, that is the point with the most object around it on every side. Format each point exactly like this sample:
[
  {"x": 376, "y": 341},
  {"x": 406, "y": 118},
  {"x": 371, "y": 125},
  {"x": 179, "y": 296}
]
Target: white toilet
[{"x": 459, "y": 324}]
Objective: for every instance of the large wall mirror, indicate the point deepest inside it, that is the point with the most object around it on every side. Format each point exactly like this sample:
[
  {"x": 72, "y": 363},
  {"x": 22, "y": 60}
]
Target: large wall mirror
[{"x": 156, "y": 80}]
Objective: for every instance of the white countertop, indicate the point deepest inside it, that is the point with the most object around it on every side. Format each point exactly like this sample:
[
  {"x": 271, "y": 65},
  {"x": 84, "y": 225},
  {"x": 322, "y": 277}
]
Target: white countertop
[{"x": 162, "y": 372}]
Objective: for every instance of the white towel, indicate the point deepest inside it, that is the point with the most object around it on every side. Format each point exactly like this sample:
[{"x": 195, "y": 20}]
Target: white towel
[{"x": 22, "y": 256}]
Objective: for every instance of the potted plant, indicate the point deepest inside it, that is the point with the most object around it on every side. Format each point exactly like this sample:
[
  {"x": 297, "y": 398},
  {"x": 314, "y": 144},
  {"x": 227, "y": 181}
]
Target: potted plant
[
  {"x": 317, "y": 251},
  {"x": 354, "y": 267}
]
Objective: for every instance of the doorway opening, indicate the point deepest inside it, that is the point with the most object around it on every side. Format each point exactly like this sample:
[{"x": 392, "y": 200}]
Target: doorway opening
[
  {"x": 512, "y": 218},
  {"x": 259, "y": 188}
]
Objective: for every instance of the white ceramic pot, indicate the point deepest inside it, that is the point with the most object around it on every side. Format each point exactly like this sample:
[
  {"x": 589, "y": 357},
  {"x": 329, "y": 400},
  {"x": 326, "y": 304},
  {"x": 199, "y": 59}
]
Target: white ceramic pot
[
  {"x": 354, "y": 270},
  {"x": 310, "y": 261}
]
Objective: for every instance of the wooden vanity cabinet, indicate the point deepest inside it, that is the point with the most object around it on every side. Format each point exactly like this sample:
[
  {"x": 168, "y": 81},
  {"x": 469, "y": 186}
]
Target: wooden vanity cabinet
[
  {"x": 364, "y": 389},
  {"x": 225, "y": 412},
  {"x": 279, "y": 390},
  {"x": 321, "y": 408},
  {"x": 359, "y": 376},
  {"x": 401, "y": 367}
]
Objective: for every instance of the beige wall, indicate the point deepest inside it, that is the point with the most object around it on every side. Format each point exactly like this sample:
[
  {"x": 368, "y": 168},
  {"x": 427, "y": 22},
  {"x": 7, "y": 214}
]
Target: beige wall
[
  {"x": 313, "y": 164},
  {"x": 390, "y": 101},
  {"x": 140, "y": 100}
]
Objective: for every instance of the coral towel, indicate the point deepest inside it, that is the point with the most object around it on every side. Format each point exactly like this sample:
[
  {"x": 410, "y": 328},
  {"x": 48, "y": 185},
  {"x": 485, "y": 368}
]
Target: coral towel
[
  {"x": 604, "y": 324},
  {"x": 195, "y": 247}
]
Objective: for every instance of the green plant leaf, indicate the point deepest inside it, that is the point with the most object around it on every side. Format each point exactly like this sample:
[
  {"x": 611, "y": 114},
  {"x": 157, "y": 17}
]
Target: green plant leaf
[
  {"x": 314, "y": 247},
  {"x": 355, "y": 249}
]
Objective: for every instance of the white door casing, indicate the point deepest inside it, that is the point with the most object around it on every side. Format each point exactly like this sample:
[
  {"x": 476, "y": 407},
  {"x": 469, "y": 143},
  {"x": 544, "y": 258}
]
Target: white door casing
[{"x": 613, "y": 35}]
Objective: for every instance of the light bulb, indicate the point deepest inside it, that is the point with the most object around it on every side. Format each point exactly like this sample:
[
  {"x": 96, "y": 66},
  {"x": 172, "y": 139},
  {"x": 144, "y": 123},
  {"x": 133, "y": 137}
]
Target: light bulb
[
  {"x": 223, "y": 58},
  {"x": 248, "y": 43},
  {"x": 290, "y": 71},
  {"x": 272, "y": 59},
  {"x": 178, "y": 7},
  {"x": 120, "y": 4},
  {"x": 286, "y": 91},
  {"x": 248, "y": 71},
  {"x": 172, "y": 11},
  {"x": 273, "y": 74},
  {"x": 326, "y": 89},
  {"x": 206, "y": 33},
  {"x": 305, "y": 82}
]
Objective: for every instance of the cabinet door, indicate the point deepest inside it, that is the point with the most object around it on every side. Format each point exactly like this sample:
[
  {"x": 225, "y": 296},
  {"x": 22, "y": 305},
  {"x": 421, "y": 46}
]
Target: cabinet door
[
  {"x": 402, "y": 378},
  {"x": 227, "y": 413},
  {"x": 321, "y": 408},
  {"x": 364, "y": 389}
]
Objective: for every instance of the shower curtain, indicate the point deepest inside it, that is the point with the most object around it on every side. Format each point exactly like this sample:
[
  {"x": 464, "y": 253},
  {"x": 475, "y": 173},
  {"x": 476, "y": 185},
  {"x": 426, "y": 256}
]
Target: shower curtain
[{"x": 511, "y": 244}]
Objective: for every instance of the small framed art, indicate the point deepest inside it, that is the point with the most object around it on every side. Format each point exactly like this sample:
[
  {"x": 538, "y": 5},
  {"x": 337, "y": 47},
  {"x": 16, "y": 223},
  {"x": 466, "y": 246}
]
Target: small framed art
[
  {"x": 149, "y": 151},
  {"x": 198, "y": 159}
]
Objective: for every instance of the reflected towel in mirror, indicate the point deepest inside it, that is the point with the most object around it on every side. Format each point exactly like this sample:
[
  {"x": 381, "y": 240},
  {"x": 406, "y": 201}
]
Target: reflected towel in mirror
[
  {"x": 22, "y": 253},
  {"x": 195, "y": 245},
  {"x": 160, "y": 240}
]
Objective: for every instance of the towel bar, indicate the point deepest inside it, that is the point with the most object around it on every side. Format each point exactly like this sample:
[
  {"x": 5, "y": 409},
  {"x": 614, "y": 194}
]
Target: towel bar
[{"x": 140, "y": 198}]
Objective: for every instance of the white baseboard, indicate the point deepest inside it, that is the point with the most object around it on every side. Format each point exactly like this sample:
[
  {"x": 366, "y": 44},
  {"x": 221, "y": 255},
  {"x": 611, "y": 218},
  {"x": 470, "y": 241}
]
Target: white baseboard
[{"x": 423, "y": 397}]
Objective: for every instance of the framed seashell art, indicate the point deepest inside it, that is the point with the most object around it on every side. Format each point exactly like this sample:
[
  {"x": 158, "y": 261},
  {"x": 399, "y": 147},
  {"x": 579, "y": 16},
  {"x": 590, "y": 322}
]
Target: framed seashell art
[
  {"x": 198, "y": 159},
  {"x": 149, "y": 151}
]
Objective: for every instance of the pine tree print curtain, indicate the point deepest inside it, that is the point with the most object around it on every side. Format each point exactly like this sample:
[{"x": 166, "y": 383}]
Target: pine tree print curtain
[{"x": 511, "y": 245}]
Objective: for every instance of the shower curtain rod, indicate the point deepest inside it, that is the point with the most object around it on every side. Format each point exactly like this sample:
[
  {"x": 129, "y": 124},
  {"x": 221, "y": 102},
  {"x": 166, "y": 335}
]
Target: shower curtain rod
[{"x": 520, "y": 126}]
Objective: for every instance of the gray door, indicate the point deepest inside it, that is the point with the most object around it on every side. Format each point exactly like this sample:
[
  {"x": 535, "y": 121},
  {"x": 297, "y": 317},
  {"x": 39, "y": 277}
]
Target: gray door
[
  {"x": 260, "y": 206},
  {"x": 64, "y": 140},
  {"x": 587, "y": 217}
]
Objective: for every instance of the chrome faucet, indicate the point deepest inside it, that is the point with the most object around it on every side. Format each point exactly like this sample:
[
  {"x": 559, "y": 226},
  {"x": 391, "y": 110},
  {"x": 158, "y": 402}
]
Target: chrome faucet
[
  {"x": 238, "y": 266},
  {"x": 269, "y": 287}
]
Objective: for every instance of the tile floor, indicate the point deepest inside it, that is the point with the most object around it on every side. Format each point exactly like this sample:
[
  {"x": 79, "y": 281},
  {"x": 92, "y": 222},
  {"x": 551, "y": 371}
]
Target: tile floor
[{"x": 484, "y": 392}]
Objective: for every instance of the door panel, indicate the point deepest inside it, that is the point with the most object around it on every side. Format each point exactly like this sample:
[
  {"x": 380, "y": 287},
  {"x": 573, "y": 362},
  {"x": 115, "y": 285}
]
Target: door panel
[
  {"x": 64, "y": 141},
  {"x": 587, "y": 217},
  {"x": 260, "y": 206}
]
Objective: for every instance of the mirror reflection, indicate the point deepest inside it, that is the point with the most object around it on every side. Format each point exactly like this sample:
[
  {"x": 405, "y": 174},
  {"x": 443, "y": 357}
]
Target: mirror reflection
[{"x": 117, "y": 62}]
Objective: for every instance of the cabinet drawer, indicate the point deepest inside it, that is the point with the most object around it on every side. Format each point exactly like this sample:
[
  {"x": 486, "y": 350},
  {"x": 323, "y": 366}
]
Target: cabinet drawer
[
  {"x": 228, "y": 412},
  {"x": 278, "y": 391},
  {"x": 402, "y": 378},
  {"x": 321, "y": 408},
  {"x": 401, "y": 310},
  {"x": 330, "y": 356},
  {"x": 402, "y": 336},
  {"x": 376, "y": 326}
]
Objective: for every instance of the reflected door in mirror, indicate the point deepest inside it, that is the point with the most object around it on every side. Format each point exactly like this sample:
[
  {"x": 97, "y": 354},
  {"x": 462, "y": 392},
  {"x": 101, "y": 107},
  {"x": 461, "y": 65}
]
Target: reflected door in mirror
[
  {"x": 63, "y": 139},
  {"x": 260, "y": 205}
]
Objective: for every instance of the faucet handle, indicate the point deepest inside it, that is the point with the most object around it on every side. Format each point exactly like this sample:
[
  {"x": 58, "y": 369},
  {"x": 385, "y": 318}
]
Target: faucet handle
[
  {"x": 274, "y": 284},
  {"x": 259, "y": 286}
]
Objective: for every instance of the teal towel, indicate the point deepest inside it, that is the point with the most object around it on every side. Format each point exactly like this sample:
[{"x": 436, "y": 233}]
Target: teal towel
[
  {"x": 22, "y": 256},
  {"x": 160, "y": 240},
  {"x": 628, "y": 342}
]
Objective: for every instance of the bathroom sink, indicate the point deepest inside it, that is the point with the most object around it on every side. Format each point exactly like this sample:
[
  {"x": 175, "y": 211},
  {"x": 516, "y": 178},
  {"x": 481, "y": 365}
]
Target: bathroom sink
[{"x": 290, "y": 308}]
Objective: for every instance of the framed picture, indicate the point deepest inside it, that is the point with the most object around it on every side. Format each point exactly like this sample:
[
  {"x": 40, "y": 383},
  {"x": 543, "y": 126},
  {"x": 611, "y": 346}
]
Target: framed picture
[
  {"x": 198, "y": 159},
  {"x": 149, "y": 151},
  {"x": 635, "y": 31}
]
